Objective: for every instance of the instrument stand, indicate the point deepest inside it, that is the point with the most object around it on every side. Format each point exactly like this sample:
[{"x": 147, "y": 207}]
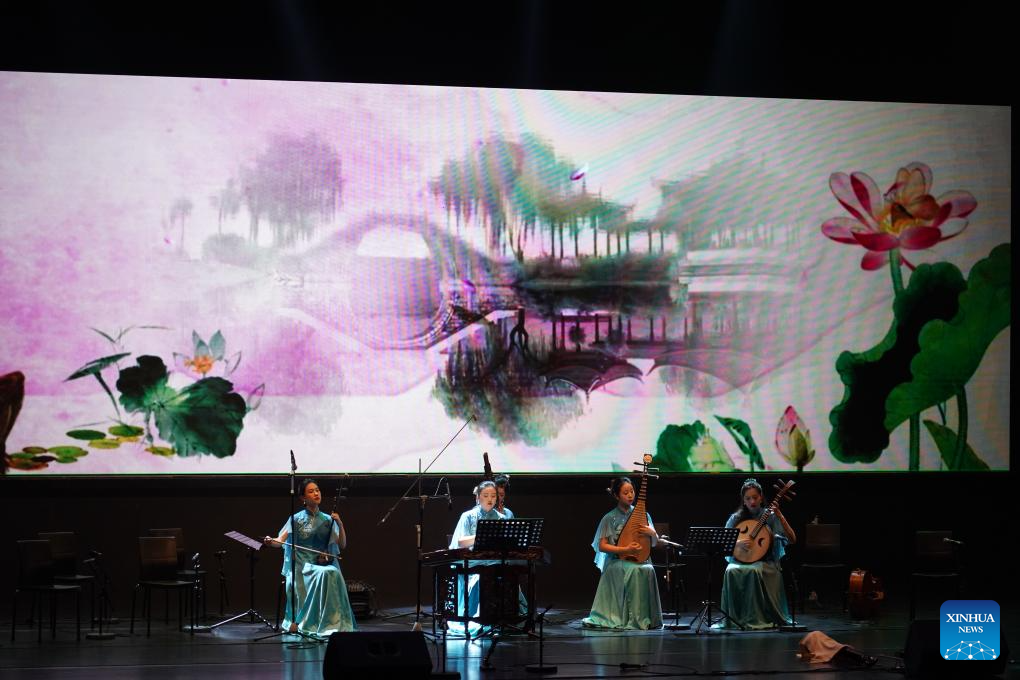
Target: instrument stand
[
  {"x": 224, "y": 596},
  {"x": 541, "y": 667},
  {"x": 674, "y": 599},
  {"x": 422, "y": 499},
  {"x": 793, "y": 626},
  {"x": 251, "y": 612},
  {"x": 506, "y": 535},
  {"x": 105, "y": 607},
  {"x": 196, "y": 595},
  {"x": 711, "y": 542}
]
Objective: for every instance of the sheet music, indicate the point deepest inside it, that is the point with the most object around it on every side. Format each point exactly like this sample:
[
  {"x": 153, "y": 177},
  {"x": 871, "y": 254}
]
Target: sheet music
[{"x": 241, "y": 538}]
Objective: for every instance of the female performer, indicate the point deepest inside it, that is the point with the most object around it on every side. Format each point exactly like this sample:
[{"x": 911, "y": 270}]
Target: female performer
[
  {"x": 753, "y": 594},
  {"x": 628, "y": 594},
  {"x": 321, "y": 593},
  {"x": 464, "y": 537}
]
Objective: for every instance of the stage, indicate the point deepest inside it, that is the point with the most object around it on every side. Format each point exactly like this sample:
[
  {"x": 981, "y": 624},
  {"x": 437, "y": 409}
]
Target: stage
[{"x": 230, "y": 651}]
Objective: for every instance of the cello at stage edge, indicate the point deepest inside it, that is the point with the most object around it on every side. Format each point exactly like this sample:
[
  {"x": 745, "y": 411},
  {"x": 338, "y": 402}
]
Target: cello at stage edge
[{"x": 865, "y": 594}]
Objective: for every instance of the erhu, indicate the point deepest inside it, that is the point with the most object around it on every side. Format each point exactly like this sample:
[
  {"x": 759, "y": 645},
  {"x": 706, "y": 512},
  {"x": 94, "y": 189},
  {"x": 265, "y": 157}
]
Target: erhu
[
  {"x": 638, "y": 518},
  {"x": 336, "y": 508}
]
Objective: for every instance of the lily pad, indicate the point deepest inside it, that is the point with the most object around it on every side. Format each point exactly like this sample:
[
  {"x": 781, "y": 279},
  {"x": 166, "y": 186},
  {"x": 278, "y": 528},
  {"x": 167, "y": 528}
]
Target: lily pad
[
  {"x": 86, "y": 435},
  {"x": 160, "y": 450},
  {"x": 64, "y": 451},
  {"x": 128, "y": 440},
  {"x": 33, "y": 449},
  {"x": 28, "y": 462},
  {"x": 125, "y": 431},
  {"x": 64, "y": 460},
  {"x": 104, "y": 444}
]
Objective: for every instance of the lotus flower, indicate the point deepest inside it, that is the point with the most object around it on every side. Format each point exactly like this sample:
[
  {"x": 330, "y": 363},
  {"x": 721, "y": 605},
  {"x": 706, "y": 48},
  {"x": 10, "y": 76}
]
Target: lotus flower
[
  {"x": 905, "y": 217},
  {"x": 207, "y": 359},
  {"x": 793, "y": 439},
  {"x": 709, "y": 455}
]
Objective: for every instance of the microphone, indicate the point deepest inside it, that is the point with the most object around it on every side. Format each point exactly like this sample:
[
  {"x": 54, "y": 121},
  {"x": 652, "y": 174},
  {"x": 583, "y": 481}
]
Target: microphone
[
  {"x": 665, "y": 539},
  {"x": 949, "y": 540},
  {"x": 449, "y": 498},
  {"x": 293, "y": 463}
]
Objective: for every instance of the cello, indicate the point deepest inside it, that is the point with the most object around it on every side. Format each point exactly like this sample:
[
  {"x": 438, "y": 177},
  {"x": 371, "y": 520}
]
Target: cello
[{"x": 864, "y": 595}]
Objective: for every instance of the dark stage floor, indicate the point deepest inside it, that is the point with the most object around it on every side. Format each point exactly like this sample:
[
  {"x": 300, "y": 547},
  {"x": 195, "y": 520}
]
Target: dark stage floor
[{"x": 230, "y": 652}]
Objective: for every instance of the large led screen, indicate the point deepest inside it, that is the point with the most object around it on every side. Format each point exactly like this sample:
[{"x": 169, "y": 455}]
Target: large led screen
[{"x": 198, "y": 276}]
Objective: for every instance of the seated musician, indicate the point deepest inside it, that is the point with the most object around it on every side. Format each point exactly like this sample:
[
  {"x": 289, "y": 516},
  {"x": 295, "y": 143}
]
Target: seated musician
[
  {"x": 628, "y": 594},
  {"x": 486, "y": 497},
  {"x": 320, "y": 592},
  {"x": 753, "y": 594},
  {"x": 502, "y": 486}
]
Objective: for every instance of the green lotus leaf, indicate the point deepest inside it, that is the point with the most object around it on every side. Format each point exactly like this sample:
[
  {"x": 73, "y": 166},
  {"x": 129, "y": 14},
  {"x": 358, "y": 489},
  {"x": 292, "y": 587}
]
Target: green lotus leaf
[
  {"x": 859, "y": 432},
  {"x": 86, "y": 435},
  {"x": 64, "y": 451},
  {"x": 950, "y": 351},
  {"x": 673, "y": 448},
  {"x": 94, "y": 367},
  {"x": 160, "y": 450},
  {"x": 104, "y": 444},
  {"x": 126, "y": 431},
  {"x": 143, "y": 387},
  {"x": 945, "y": 440},
  {"x": 205, "y": 417},
  {"x": 33, "y": 449},
  {"x": 741, "y": 433}
]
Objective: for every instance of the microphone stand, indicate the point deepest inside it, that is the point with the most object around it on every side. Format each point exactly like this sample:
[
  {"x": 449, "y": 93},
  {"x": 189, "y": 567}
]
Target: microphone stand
[
  {"x": 422, "y": 499},
  {"x": 293, "y": 570}
]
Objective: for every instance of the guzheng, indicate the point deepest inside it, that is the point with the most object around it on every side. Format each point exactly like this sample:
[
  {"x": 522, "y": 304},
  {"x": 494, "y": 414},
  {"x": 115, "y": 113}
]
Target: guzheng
[{"x": 460, "y": 555}]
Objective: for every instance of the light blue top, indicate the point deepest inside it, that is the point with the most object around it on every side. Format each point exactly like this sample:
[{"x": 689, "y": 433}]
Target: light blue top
[
  {"x": 779, "y": 540},
  {"x": 318, "y": 533},
  {"x": 609, "y": 528},
  {"x": 468, "y": 524}
]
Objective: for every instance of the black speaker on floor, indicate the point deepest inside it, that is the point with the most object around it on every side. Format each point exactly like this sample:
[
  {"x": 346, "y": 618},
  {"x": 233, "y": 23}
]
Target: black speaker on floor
[
  {"x": 400, "y": 654},
  {"x": 922, "y": 657}
]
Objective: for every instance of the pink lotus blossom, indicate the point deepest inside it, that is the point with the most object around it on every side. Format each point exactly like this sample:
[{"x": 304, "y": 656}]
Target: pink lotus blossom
[{"x": 906, "y": 216}]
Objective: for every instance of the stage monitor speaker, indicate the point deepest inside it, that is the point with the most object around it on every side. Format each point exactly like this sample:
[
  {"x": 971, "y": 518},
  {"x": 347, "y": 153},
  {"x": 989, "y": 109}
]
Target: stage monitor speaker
[
  {"x": 922, "y": 657},
  {"x": 398, "y": 654}
]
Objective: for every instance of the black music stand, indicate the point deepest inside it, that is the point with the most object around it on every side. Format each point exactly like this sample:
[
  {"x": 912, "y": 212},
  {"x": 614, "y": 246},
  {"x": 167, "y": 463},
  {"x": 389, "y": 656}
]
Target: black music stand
[
  {"x": 518, "y": 533},
  {"x": 505, "y": 535},
  {"x": 711, "y": 542},
  {"x": 253, "y": 547}
]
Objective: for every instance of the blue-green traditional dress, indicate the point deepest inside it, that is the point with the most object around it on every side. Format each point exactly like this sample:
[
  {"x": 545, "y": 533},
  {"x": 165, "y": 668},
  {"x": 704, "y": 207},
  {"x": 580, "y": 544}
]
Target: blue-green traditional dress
[
  {"x": 628, "y": 594},
  {"x": 468, "y": 526},
  {"x": 753, "y": 594},
  {"x": 321, "y": 593}
]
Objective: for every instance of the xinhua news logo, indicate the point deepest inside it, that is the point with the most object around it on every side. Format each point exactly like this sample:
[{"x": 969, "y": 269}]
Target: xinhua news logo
[{"x": 969, "y": 630}]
